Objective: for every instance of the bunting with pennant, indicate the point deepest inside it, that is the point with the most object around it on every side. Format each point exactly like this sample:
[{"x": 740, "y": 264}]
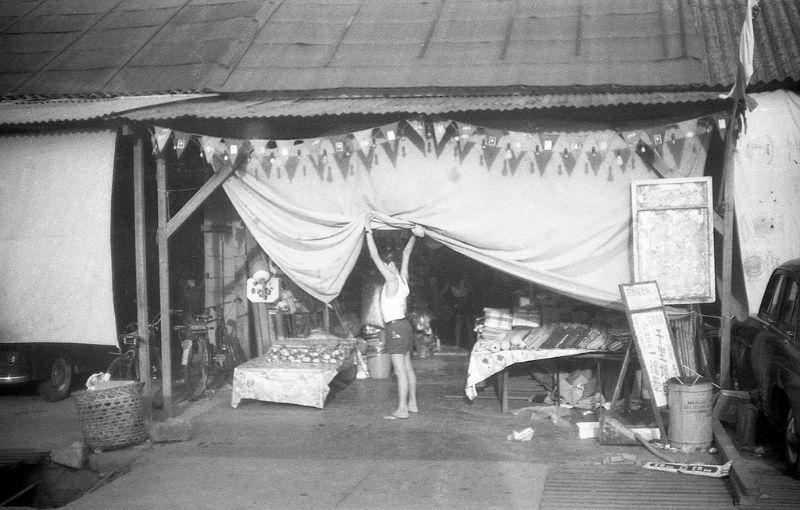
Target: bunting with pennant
[{"x": 477, "y": 186}]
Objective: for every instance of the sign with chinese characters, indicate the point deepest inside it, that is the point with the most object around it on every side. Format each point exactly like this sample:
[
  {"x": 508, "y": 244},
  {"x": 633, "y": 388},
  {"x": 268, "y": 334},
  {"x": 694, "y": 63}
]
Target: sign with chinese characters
[{"x": 653, "y": 336}]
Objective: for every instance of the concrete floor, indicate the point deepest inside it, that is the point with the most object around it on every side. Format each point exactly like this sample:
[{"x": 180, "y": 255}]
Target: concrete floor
[{"x": 453, "y": 454}]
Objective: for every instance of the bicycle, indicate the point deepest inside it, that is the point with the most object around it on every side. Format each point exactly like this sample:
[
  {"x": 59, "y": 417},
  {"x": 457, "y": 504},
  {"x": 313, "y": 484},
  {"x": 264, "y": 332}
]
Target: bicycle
[
  {"x": 195, "y": 356},
  {"x": 125, "y": 367}
]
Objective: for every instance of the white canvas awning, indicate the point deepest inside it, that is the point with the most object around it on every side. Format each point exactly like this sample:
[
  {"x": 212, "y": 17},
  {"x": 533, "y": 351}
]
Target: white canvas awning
[{"x": 55, "y": 229}]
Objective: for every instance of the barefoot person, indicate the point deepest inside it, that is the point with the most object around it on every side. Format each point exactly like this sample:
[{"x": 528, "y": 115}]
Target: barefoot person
[{"x": 398, "y": 331}]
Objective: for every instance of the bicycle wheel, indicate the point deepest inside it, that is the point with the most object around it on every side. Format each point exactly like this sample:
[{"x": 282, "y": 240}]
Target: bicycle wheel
[
  {"x": 195, "y": 375},
  {"x": 157, "y": 396}
]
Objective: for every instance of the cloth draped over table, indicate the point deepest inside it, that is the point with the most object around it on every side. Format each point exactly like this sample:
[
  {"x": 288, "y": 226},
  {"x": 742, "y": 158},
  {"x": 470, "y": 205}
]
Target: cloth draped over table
[{"x": 552, "y": 208}]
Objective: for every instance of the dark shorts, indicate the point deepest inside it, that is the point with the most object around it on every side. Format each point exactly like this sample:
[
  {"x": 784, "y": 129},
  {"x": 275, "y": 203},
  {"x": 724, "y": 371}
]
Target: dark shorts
[{"x": 398, "y": 336}]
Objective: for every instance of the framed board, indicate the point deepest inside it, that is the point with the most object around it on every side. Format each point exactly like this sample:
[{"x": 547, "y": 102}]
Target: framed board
[
  {"x": 673, "y": 238},
  {"x": 653, "y": 336}
]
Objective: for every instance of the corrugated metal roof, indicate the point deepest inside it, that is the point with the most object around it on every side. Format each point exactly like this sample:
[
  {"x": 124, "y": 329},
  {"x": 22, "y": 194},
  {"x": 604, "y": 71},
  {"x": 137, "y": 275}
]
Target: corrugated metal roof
[
  {"x": 88, "y": 47},
  {"x": 59, "y": 110},
  {"x": 776, "y": 55},
  {"x": 116, "y": 47},
  {"x": 227, "y": 108}
]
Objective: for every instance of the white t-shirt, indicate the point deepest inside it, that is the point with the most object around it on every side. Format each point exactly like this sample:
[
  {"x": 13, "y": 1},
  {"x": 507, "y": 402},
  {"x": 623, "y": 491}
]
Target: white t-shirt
[{"x": 394, "y": 307}]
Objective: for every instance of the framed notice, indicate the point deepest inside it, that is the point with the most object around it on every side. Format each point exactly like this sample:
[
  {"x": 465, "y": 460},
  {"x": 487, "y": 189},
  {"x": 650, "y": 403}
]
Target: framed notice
[
  {"x": 673, "y": 238},
  {"x": 653, "y": 336}
]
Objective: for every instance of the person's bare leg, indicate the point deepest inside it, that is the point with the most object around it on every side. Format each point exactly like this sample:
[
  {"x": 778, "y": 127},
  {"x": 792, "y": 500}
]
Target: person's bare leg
[
  {"x": 400, "y": 371},
  {"x": 412, "y": 385}
]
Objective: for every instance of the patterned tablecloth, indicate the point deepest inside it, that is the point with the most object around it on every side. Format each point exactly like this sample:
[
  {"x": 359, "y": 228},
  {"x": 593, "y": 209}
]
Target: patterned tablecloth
[
  {"x": 484, "y": 363},
  {"x": 299, "y": 383}
]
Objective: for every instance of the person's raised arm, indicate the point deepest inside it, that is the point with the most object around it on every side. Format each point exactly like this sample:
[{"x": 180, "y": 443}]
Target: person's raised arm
[
  {"x": 416, "y": 231},
  {"x": 373, "y": 253}
]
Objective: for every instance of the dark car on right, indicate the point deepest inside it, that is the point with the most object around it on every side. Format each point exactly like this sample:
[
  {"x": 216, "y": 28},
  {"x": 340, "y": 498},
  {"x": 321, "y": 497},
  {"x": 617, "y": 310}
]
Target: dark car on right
[{"x": 765, "y": 352}]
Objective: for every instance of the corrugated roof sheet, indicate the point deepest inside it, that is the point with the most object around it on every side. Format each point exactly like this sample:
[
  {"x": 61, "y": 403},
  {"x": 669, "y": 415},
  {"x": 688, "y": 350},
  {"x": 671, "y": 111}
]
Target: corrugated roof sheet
[
  {"x": 59, "y": 110},
  {"x": 776, "y": 55},
  {"x": 138, "y": 47},
  {"x": 227, "y": 108},
  {"x": 86, "y": 48}
]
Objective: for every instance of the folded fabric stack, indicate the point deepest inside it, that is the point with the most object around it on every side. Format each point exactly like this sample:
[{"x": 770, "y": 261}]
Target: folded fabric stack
[
  {"x": 528, "y": 317},
  {"x": 492, "y": 334},
  {"x": 497, "y": 318}
]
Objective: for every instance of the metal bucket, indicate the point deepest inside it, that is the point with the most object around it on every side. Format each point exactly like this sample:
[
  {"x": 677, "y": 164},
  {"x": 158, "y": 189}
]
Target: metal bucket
[
  {"x": 691, "y": 410},
  {"x": 379, "y": 366}
]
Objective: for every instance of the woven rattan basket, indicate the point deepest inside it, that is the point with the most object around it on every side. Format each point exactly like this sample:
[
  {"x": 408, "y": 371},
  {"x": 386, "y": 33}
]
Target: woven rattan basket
[{"x": 113, "y": 417}]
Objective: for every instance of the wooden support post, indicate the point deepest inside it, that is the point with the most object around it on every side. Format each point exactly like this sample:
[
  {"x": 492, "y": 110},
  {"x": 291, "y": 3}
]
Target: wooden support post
[
  {"x": 194, "y": 203},
  {"x": 163, "y": 282},
  {"x": 142, "y": 304},
  {"x": 727, "y": 252}
]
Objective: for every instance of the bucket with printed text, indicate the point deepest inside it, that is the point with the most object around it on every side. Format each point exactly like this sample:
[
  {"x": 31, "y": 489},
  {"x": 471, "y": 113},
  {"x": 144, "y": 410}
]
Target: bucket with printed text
[{"x": 691, "y": 411}]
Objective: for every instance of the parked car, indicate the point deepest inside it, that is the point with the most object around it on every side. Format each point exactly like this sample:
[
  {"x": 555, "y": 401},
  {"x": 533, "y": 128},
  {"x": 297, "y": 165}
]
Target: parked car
[
  {"x": 52, "y": 366},
  {"x": 765, "y": 352}
]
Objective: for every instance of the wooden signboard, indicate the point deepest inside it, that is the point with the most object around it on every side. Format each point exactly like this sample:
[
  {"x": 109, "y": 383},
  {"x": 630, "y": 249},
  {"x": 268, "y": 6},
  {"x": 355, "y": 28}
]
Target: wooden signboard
[
  {"x": 673, "y": 238},
  {"x": 653, "y": 336}
]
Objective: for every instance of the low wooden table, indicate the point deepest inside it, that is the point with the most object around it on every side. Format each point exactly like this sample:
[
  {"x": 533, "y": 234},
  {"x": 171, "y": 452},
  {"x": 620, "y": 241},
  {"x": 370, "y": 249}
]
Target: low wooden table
[
  {"x": 300, "y": 383},
  {"x": 484, "y": 364}
]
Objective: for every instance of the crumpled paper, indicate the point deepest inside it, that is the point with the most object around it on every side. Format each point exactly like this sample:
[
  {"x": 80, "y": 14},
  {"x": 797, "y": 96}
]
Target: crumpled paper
[
  {"x": 521, "y": 435},
  {"x": 91, "y": 382}
]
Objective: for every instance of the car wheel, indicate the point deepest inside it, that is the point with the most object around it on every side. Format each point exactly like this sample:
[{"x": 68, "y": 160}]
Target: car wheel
[
  {"x": 59, "y": 383},
  {"x": 791, "y": 445}
]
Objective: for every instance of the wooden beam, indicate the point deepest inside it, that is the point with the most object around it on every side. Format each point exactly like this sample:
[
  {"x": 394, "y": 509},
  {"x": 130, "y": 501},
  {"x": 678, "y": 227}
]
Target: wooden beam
[
  {"x": 163, "y": 282},
  {"x": 142, "y": 304},
  {"x": 174, "y": 223},
  {"x": 719, "y": 223},
  {"x": 727, "y": 252}
]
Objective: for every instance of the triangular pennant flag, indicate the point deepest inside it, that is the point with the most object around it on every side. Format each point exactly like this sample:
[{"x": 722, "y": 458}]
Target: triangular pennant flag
[
  {"x": 367, "y": 157},
  {"x": 630, "y": 137},
  {"x": 341, "y": 154},
  {"x": 389, "y": 139},
  {"x": 209, "y": 146},
  {"x": 595, "y": 159},
  {"x": 656, "y": 140},
  {"x": 418, "y": 126},
  {"x": 318, "y": 158},
  {"x": 465, "y": 131},
  {"x": 491, "y": 145},
  {"x": 216, "y": 152},
  {"x": 392, "y": 149},
  {"x": 675, "y": 140},
  {"x": 238, "y": 152},
  {"x": 622, "y": 156},
  {"x": 512, "y": 159},
  {"x": 287, "y": 157},
  {"x": 646, "y": 153},
  {"x": 160, "y": 137},
  {"x": 490, "y": 153},
  {"x": 440, "y": 128},
  {"x": 255, "y": 166},
  {"x": 443, "y": 132},
  {"x": 181, "y": 141},
  {"x": 363, "y": 140},
  {"x": 406, "y": 133},
  {"x": 543, "y": 150},
  {"x": 572, "y": 147},
  {"x": 463, "y": 148}
]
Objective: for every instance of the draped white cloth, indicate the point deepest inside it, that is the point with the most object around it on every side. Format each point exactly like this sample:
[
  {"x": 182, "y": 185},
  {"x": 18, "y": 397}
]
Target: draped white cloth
[
  {"x": 766, "y": 190},
  {"x": 55, "y": 238},
  {"x": 560, "y": 218}
]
